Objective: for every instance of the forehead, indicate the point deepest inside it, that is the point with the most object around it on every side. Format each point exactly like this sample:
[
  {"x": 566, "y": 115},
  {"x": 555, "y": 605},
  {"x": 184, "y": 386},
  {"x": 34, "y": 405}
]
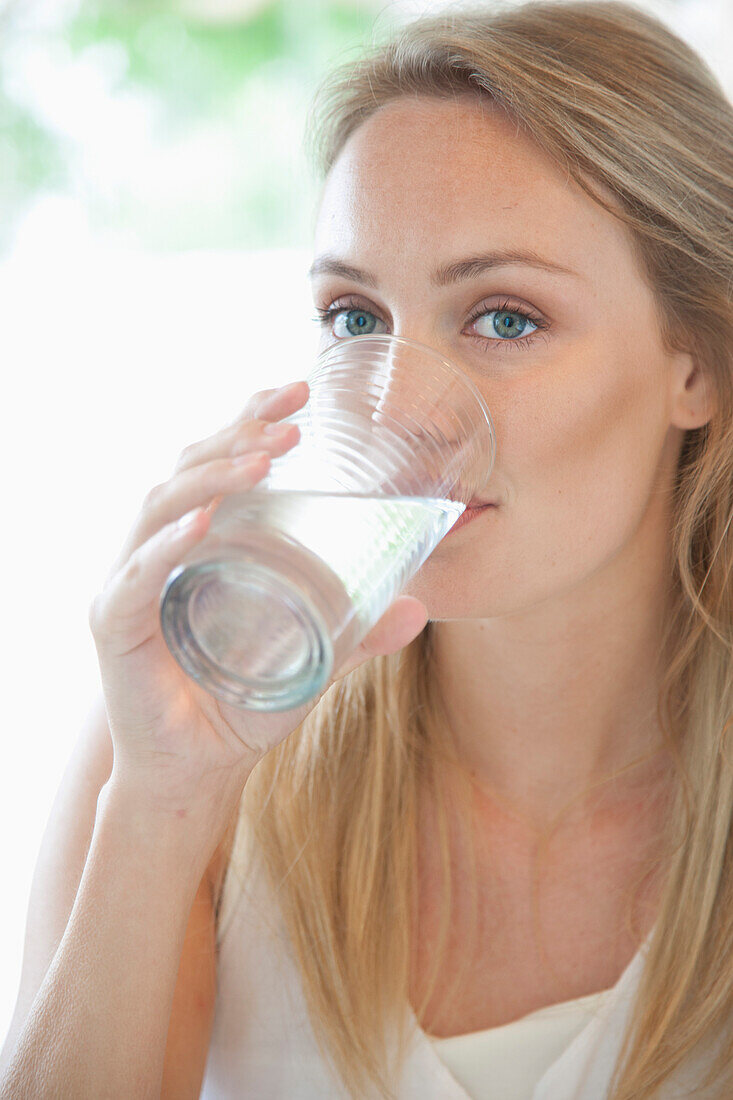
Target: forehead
[{"x": 428, "y": 175}]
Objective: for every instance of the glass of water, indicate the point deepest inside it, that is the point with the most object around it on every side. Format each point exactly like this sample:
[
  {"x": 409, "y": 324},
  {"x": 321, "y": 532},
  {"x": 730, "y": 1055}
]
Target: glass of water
[{"x": 395, "y": 441}]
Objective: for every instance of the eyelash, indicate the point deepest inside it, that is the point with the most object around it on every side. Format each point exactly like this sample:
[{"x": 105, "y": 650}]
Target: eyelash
[{"x": 325, "y": 316}]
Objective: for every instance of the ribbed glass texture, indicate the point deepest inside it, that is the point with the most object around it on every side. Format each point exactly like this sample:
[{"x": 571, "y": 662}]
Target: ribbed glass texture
[{"x": 395, "y": 441}]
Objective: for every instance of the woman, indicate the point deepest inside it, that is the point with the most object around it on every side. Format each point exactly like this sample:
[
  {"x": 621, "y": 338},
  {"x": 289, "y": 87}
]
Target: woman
[{"x": 493, "y": 860}]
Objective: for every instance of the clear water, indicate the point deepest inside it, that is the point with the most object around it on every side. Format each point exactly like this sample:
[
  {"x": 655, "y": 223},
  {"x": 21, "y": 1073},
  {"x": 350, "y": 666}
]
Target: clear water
[
  {"x": 372, "y": 543},
  {"x": 260, "y": 621}
]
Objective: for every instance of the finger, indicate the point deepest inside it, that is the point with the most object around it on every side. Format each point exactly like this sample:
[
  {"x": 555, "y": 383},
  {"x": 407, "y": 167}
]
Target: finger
[
  {"x": 126, "y": 613},
  {"x": 273, "y": 403},
  {"x": 201, "y": 486},
  {"x": 262, "y": 408},
  {"x": 401, "y": 623}
]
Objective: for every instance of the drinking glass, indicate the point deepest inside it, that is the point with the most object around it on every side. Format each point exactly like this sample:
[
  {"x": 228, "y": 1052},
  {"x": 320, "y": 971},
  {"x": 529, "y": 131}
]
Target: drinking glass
[{"x": 291, "y": 575}]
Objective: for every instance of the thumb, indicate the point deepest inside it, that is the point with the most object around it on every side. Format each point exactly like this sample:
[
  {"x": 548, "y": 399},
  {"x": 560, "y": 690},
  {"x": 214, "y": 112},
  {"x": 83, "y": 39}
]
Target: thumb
[{"x": 401, "y": 623}]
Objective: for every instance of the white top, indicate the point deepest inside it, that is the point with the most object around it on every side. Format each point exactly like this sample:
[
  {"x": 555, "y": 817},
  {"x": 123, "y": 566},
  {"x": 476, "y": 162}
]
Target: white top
[
  {"x": 263, "y": 1047},
  {"x": 508, "y": 1061}
]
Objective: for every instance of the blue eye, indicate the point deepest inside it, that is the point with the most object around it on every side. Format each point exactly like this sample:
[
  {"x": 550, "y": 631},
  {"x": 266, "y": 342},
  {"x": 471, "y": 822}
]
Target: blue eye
[
  {"x": 507, "y": 326},
  {"x": 506, "y": 323},
  {"x": 356, "y": 322}
]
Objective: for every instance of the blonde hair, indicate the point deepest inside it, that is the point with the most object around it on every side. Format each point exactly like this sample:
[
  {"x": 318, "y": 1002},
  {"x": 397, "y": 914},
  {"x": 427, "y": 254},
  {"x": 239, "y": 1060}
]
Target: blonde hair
[{"x": 617, "y": 99}]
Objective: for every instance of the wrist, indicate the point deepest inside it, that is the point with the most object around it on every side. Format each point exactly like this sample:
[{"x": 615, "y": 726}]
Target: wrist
[{"x": 184, "y": 827}]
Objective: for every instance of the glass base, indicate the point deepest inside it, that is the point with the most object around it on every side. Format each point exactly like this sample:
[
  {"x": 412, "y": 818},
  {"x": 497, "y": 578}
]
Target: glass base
[{"x": 247, "y": 633}]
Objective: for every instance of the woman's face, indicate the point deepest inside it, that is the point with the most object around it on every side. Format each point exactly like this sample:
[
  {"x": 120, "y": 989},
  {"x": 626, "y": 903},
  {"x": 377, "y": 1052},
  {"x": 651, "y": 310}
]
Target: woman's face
[{"x": 588, "y": 407}]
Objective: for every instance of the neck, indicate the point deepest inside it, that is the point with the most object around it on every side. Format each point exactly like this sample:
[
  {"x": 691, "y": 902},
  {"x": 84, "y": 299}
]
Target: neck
[{"x": 559, "y": 703}]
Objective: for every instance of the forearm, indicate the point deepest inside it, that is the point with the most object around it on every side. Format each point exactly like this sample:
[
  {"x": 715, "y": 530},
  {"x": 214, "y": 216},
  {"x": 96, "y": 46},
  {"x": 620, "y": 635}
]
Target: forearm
[{"x": 98, "y": 1025}]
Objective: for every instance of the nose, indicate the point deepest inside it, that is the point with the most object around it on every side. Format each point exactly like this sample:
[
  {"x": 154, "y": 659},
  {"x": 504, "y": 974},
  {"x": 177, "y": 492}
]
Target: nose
[
  {"x": 412, "y": 385},
  {"x": 434, "y": 406}
]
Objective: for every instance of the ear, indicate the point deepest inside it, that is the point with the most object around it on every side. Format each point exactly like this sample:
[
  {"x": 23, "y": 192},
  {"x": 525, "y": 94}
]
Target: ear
[{"x": 693, "y": 395}]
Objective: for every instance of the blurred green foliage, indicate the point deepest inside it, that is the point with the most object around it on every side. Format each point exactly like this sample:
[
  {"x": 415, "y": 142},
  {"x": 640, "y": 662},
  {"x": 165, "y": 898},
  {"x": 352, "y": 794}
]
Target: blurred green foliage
[{"x": 207, "y": 150}]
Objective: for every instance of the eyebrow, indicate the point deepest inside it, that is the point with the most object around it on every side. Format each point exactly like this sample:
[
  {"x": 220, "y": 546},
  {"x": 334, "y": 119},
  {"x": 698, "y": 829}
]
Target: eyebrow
[{"x": 450, "y": 273}]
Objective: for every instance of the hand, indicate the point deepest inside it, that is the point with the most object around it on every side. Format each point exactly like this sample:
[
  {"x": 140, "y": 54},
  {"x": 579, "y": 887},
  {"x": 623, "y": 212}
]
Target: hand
[{"x": 172, "y": 739}]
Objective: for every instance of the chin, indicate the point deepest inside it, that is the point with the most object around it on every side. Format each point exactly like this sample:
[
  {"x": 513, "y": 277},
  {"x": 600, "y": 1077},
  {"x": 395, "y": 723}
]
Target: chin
[{"x": 446, "y": 597}]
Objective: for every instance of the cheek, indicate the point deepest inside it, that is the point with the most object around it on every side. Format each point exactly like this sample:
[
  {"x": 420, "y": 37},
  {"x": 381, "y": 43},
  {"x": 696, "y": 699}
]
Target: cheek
[
  {"x": 578, "y": 447},
  {"x": 579, "y": 454},
  {"x": 582, "y": 454}
]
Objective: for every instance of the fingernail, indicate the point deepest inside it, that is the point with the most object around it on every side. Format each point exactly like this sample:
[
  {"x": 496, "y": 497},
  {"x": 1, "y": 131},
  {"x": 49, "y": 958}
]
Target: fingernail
[
  {"x": 291, "y": 387},
  {"x": 187, "y": 521},
  {"x": 276, "y": 429}
]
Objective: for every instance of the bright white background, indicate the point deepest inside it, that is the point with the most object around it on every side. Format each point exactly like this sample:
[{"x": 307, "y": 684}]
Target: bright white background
[{"x": 113, "y": 360}]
